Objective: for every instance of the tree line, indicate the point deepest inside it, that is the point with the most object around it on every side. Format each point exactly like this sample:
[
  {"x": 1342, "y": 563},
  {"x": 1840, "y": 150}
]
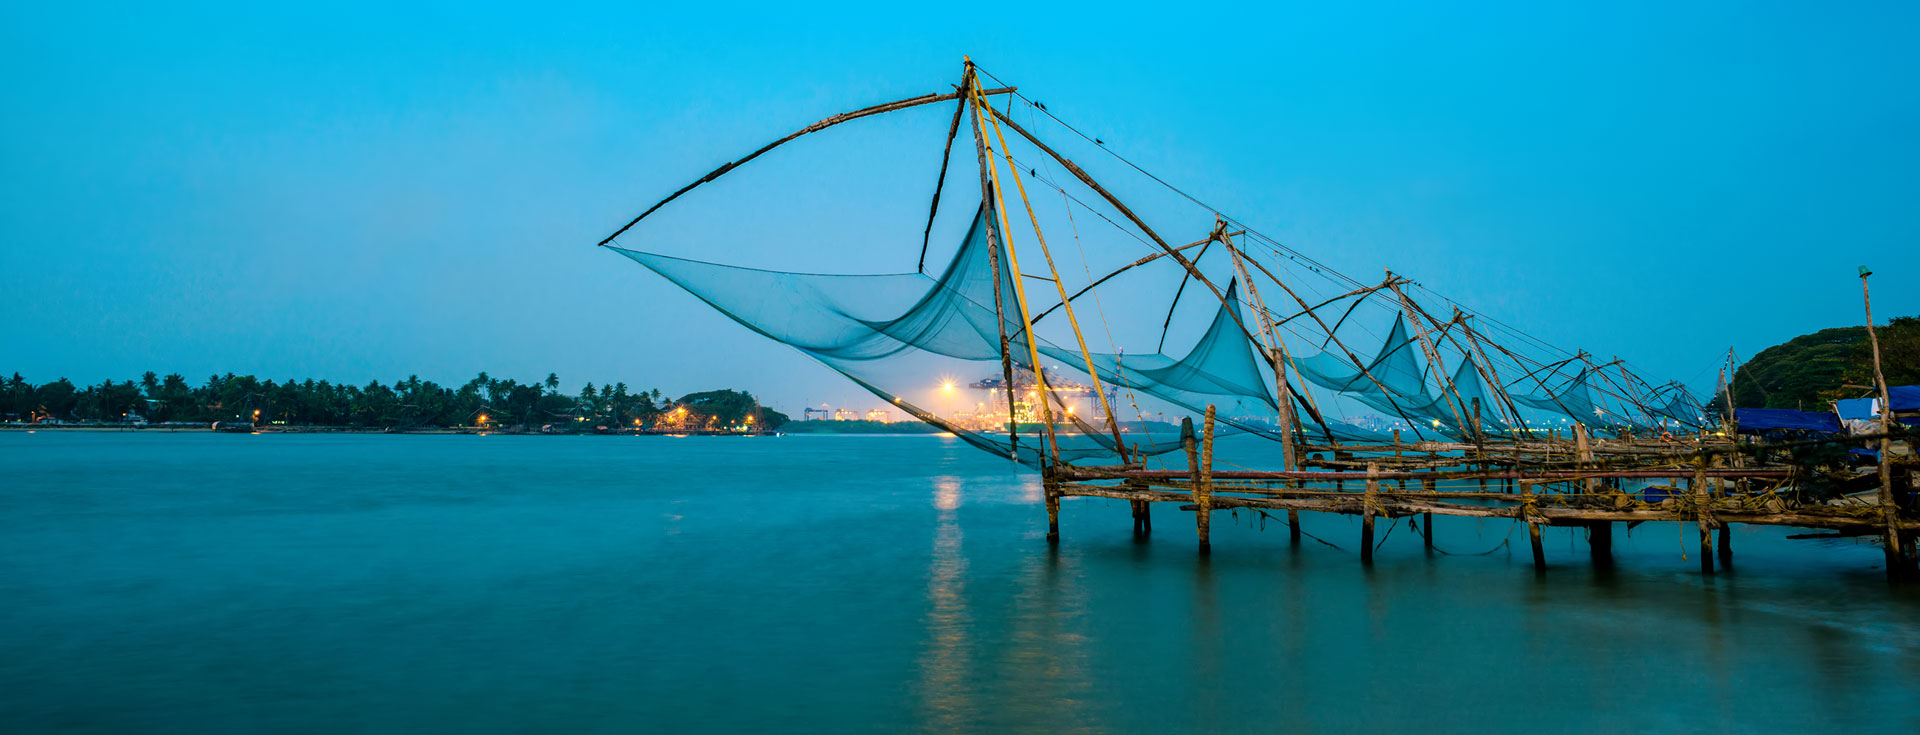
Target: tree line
[
  {"x": 483, "y": 401},
  {"x": 1811, "y": 370}
]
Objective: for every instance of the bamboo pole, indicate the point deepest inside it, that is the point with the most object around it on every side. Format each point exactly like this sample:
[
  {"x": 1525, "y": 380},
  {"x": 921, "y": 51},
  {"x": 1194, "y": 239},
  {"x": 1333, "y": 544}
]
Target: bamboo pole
[
  {"x": 1366, "y": 518},
  {"x": 1093, "y": 372},
  {"x": 1703, "y": 514},
  {"x": 1439, "y": 368},
  {"x": 987, "y": 205},
  {"x": 925, "y": 99},
  {"x": 1526, "y": 511},
  {"x": 1899, "y": 563},
  {"x": 1203, "y": 489},
  {"x": 1191, "y": 444},
  {"x": 1276, "y": 349},
  {"x": 1020, "y": 297}
]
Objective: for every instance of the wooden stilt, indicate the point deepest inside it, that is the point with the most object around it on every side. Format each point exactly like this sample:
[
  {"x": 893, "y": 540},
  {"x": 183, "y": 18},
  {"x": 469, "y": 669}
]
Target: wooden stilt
[
  {"x": 1600, "y": 542},
  {"x": 1204, "y": 489},
  {"x": 1293, "y": 527},
  {"x": 1526, "y": 512},
  {"x": 1053, "y": 517},
  {"x": 1726, "y": 545},
  {"x": 1426, "y": 519},
  {"x": 1367, "y": 513},
  {"x": 1539, "y": 552},
  {"x": 1900, "y": 564},
  {"x": 1704, "y": 516}
]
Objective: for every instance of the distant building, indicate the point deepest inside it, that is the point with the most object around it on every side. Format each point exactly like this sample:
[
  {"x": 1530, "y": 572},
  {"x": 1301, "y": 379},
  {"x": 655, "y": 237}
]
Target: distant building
[
  {"x": 815, "y": 414},
  {"x": 846, "y": 414},
  {"x": 880, "y": 415}
]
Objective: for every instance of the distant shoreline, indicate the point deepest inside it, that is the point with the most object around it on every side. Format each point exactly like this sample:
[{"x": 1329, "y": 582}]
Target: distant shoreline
[{"x": 434, "y": 431}]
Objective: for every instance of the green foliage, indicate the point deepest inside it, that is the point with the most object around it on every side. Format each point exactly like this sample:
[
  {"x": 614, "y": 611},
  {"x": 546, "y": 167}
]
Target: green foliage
[
  {"x": 719, "y": 409},
  {"x": 1809, "y": 371},
  {"x": 1899, "y": 354},
  {"x": 411, "y": 402}
]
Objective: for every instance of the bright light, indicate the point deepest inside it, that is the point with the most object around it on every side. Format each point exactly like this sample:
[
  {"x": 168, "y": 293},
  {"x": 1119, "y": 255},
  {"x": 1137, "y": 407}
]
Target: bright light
[{"x": 947, "y": 386}]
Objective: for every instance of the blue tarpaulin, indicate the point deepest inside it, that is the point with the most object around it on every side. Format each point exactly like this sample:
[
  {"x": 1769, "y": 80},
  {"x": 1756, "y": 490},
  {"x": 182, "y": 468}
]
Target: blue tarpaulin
[
  {"x": 1854, "y": 409},
  {"x": 1754, "y": 420},
  {"x": 1905, "y": 397}
]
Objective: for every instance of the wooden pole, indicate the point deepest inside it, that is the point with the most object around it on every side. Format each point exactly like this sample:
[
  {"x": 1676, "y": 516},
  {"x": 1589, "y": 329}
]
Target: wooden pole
[
  {"x": 1703, "y": 516},
  {"x": 1191, "y": 443},
  {"x": 987, "y": 206},
  {"x": 1093, "y": 372},
  {"x": 1053, "y": 514},
  {"x": 1899, "y": 563},
  {"x": 1041, "y": 389},
  {"x": 1293, "y": 527},
  {"x": 1600, "y": 542},
  {"x": 1427, "y": 519},
  {"x": 1275, "y": 348},
  {"x": 1203, "y": 483},
  {"x": 1533, "y": 528},
  {"x": 1367, "y": 512}
]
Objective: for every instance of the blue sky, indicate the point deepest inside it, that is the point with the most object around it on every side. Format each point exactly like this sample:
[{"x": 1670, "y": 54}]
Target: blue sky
[{"x": 366, "y": 193}]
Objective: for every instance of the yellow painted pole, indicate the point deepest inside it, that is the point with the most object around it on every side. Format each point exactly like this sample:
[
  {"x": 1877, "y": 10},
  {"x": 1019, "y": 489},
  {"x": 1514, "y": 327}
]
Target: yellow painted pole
[
  {"x": 1020, "y": 292},
  {"x": 1065, "y": 303}
]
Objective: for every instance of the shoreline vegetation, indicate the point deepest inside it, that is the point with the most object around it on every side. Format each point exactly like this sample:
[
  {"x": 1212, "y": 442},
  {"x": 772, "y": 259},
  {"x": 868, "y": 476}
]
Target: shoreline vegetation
[{"x": 482, "y": 405}]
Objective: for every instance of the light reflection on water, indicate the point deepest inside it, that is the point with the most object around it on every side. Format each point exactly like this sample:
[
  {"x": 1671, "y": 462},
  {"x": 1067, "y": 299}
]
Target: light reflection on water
[{"x": 253, "y": 583}]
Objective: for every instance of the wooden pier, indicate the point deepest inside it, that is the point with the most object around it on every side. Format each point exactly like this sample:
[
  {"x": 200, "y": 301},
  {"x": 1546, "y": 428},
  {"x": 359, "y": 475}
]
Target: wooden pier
[{"x": 1572, "y": 483}]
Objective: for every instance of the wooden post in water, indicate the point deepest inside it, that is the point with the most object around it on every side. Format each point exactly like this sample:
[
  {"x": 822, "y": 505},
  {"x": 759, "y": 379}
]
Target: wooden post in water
[
  {"x": 1203, "y": 485},
  {"x": 1900, "y": 565},
  {"x": 1533, "y": 527},
  {"x": 1366, "y": 513},
  {"x": 1427, "y": 519},
  {"x": 1599, "y": 533},
  {"x": 1704, "y": 515},
  {"x": 1600, "y": 542}
]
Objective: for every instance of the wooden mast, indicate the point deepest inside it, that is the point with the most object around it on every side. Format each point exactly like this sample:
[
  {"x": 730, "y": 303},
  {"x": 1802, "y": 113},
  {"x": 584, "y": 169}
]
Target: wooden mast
[
  {"x": 1093, "y": 372},
  {"x": 968, "y": 82},
  {"x": 1275, "y": 348},
  {"x": 1897, "y": 559},
  {"x": 1041, "y": 390}
]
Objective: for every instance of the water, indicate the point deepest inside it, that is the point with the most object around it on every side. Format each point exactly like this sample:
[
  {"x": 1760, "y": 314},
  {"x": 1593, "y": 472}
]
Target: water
[{"x": 231, "y": 583}]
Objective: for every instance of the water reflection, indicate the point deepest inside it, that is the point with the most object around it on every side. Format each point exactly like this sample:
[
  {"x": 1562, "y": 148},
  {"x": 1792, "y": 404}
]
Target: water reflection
[{"x": 946, "y": 663}]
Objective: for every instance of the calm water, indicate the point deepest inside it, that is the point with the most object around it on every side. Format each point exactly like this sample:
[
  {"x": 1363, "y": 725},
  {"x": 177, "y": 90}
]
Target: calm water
[{"x": 218, "y": 583}]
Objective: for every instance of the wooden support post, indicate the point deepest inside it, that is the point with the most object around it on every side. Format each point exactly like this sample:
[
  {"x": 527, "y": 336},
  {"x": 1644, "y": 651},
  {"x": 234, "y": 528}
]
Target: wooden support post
[
  {"x": 1900, "y": 564},
  {"x": 1726, "y": 545},
  {"x": 1600, "y": 542},
  {"x": 1426, "y": 519},
  {"x": 1367, "y": 513},
  {"x": 1203, "y": 485},
  {"x": 1053, "y": 515},
  {"x": 1293, "y": 527},
  {"x": 1533, "y": 528},
  {"x": 1703, "y": 498},
  {"x": 1191, "y": 443},
  {"x": 1539, "y": 551}
]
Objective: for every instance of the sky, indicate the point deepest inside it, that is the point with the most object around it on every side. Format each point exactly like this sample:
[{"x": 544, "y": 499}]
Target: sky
[{"x": 370, "y": 192}]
